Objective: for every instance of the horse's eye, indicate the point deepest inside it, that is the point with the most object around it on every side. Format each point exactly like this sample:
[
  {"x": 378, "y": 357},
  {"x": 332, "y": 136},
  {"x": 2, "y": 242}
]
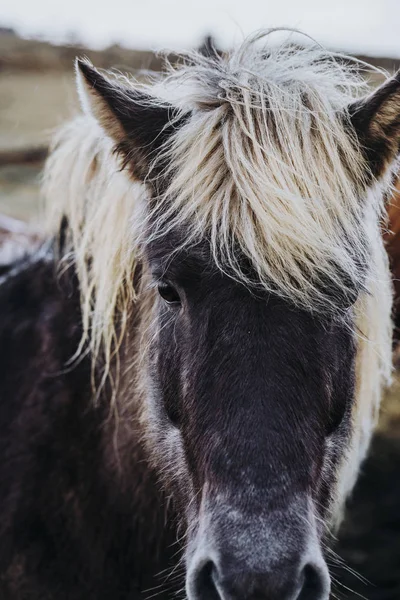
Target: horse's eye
[{"x": 168, "y": 293}]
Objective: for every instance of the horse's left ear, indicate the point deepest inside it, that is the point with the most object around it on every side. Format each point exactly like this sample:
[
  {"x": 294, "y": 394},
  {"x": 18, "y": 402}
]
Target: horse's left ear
[
  {"x": 376, "y": 121},
  {"x": 138, "y": 123}
]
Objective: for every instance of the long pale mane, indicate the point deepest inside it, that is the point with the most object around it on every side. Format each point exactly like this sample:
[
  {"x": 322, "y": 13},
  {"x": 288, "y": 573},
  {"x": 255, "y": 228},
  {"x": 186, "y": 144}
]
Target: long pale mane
[
  {"x": 266, "y": 162},
  {"x": 84, "y": 187}
]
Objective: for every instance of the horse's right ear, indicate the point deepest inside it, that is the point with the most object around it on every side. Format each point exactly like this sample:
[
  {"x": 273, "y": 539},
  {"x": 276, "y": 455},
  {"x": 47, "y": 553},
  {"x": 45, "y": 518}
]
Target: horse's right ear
[
  {"x": 138, "y": 123},
  {"x": 376, "y": 122}
]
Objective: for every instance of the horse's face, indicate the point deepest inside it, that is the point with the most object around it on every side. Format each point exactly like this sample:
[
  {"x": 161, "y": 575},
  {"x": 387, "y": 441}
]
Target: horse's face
[
  {"x": 250, "y": 397},
  {"x": 250, "y": 405}
]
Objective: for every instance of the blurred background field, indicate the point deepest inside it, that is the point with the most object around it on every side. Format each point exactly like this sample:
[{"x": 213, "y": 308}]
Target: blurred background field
[{"x": 37, "y": 93}]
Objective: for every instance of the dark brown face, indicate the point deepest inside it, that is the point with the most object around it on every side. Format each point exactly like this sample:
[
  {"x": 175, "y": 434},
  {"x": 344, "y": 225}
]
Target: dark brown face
[
  {"x": 250, "y": 397},
  {"x": 250, "y": 404}
]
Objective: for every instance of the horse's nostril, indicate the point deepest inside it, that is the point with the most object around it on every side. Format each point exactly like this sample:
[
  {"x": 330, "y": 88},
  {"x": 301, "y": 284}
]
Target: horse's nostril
[
  {"x": 209, "y": 583},
  {"x": 229, "y": 579},
  {"x": 205, "y": 586},
  {"x": 315, "y": 584}
]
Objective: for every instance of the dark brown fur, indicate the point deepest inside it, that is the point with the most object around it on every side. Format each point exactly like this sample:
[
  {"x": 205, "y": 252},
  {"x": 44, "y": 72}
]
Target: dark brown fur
[{"x": 77, "y": 521}]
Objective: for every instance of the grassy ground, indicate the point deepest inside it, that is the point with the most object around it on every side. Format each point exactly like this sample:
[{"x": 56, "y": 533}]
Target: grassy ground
[
  {"x": 19, "y": 191},
  {"x": 32, "y": 104}
]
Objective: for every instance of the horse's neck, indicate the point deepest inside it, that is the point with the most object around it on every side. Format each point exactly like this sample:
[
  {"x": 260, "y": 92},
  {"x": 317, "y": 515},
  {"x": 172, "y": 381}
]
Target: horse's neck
[
  {"x": 152, "y": 529},
  {"x": 126, "y": 456},
  {"x": 84, "y": 460}
]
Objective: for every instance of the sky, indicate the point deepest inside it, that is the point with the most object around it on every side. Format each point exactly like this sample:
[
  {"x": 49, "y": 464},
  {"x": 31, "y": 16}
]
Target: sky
[{"x": 365, "y": 26}]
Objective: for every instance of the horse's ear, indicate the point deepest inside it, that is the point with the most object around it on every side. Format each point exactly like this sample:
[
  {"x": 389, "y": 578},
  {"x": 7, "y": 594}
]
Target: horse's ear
[
  {"x": 136, "y": 122},
  {"x": 376, "y": 120}
]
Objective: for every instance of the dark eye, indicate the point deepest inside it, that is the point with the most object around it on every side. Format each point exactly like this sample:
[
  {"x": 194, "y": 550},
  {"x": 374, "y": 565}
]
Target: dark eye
[{"x": 168, "y": 293}]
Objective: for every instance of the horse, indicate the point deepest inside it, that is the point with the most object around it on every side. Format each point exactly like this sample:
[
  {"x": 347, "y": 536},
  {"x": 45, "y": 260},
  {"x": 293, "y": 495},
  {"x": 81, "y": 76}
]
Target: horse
[{"x": 192, "y": 361}]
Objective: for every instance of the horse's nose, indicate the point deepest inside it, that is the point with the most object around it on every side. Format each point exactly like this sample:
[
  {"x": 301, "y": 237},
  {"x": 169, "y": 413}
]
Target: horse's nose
[{"x": 227, "y": 580}]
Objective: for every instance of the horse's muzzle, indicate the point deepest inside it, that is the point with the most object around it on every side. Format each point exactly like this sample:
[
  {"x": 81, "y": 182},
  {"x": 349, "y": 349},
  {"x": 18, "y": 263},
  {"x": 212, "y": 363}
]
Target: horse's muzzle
[
  {"x": 235, "y": 556},
  {"x": 228, "y": 581}
]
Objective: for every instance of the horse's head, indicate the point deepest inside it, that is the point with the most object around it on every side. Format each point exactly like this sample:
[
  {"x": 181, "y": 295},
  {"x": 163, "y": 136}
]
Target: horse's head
[
  {"x": 267, "y": 325},
  {"x": 248, "y": 391}
]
